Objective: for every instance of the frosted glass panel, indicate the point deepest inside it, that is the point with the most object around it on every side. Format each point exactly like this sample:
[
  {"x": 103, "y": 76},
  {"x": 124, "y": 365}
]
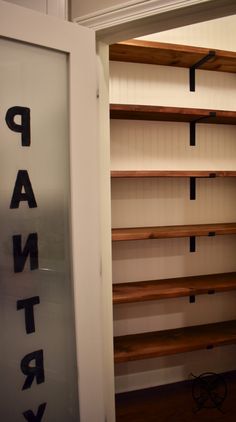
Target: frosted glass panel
[{"x": 38, "y": 374}]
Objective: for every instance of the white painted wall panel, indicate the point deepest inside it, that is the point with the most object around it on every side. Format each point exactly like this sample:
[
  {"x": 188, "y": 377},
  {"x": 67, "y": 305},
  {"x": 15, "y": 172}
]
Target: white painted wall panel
[
  {"x": 217, "y": 33},
  {"x": 166, "y": 258},
  {"x": 169, "y": 86},
  {"x": 39, "y": 5},
  {"x": 152, "y": 372},
  {"x": 80, "y": 8},
  {"x": 58, "y": 8},
  {"x": 173, "y": 313},
  {"x": 137, "y": 203},
  {"x": 164, "y": 145}
]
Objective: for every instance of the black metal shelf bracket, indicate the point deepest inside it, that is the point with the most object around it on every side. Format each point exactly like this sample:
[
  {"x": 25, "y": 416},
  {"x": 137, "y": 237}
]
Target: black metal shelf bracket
[
  {"x": 211, "y": 291},
  {"x": 192, "y": 69},
  {"x": 192, "y": 187},
  {"x": 192, "y": 126},
  {"x": 192, "y": 299},
  {"x": 192, "y": 244}
]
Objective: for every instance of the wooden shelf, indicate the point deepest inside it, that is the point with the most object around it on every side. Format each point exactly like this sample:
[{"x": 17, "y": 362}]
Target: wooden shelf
[
  {"x": 165, "y": 54},
  {"x": 171, "y": 114},
  {"x": 171, "y": 173},
  {"x": 174, "y": 341},
  {"x": 174, "y": 287},
  {"x": 161, "y": 232}
]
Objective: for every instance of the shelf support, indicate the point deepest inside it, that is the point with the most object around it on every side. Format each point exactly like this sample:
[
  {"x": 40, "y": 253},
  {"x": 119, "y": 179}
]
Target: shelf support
[
  {"x": 192, "y": 69},
  {"x": 192, "y": 126},
  {"x": 192, "y": 186},
  {"x": 192, "y": 244},
  {"x": 211, "y": 292},
  {"x": 192, "y": 299}
]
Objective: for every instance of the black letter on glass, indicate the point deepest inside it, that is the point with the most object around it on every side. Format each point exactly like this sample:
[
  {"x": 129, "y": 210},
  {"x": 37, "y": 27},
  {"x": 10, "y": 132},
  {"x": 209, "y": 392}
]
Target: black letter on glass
[
  {"x": 32, "y": 372},
  {"x": 24, "y": 127},
  {"x": 30, "y": 248},
  {"x": 28, "y": 305},
  {"x": 31, "y": 417},
  {"x": 23, "y": 181}
]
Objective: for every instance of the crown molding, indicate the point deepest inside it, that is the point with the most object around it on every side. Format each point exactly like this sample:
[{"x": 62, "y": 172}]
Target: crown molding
[
  {"x": 137, "y": 17},
  {"x": 132, "y": 10}
]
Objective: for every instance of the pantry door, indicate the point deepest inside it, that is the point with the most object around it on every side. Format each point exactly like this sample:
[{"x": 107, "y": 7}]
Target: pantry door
[{"x": 50, "y": 318}]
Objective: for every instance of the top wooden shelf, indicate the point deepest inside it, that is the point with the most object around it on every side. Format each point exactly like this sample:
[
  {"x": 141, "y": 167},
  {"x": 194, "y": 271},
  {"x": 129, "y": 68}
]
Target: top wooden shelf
[
  {"x": 150, "y": 52},
  {"x": 171, "y": 114},
  {"x": 119, "y": 174}
]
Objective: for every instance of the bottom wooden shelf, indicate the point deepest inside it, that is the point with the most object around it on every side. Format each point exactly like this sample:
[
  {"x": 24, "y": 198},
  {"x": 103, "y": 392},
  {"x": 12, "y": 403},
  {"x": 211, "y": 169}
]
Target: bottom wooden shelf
[
  {"x": 175, "y": 403},
  {"x": 174, "y": 341}
]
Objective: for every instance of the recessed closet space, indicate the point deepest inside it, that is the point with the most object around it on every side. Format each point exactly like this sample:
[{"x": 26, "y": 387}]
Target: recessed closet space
[{"x": 173, "y": 189}]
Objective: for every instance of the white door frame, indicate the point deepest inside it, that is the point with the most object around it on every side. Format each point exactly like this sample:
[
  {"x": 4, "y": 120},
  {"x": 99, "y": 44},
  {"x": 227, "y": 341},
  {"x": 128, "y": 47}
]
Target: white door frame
[{"x": 28, "y": 26}]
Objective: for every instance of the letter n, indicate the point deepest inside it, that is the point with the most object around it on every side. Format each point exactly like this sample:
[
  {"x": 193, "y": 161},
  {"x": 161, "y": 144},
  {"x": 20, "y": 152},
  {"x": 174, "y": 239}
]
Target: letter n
[{"x": 20, "y": 254}]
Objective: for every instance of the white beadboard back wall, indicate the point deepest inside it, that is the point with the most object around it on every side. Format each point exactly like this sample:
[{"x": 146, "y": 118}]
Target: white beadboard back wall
[{"x": 142, "y": 145}]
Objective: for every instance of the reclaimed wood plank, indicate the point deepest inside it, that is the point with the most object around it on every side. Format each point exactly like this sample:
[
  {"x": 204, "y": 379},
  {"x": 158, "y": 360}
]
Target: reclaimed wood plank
[
  {"x": 166, "y": 54},
  {"x": 140, "y": 291},
  {"x": 162, "y": 232},
  {"x": 174, "y": 341}
]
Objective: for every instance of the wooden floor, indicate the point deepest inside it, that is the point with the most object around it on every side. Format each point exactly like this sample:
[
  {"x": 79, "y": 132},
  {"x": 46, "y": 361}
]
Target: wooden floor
[{"x": 174, "y": 403}]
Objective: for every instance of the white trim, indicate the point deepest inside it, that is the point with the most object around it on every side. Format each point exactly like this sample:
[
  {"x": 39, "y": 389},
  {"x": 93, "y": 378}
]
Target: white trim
[
  {"x": 58, "y": 8},
  {"x": 130, "y": 11}
]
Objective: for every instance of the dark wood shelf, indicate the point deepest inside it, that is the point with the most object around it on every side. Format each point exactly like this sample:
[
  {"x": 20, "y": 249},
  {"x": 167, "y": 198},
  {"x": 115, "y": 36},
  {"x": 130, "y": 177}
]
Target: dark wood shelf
[
  {"x": 171, "y": 114},
  {"x": 165, "y": 54},
  {"x": 174, "y": 341},
  {"x": 141, "y": 291},
  {"x": 171, "y": 173},
  {"x": 161, "y": 232}
]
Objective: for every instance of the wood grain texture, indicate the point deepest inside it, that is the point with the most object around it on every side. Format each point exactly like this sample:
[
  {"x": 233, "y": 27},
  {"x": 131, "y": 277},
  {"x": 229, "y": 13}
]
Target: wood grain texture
[
  {"x": 175, "y": 287},
  {"x": 174, "y": 403},
  {"x": 170, "y": 173},
  {"x": 174, "y": 341},
  {"x": 162, "y": 232},
  {"x": 165, "y": 54},
  {"x": 171, "y": 114}
]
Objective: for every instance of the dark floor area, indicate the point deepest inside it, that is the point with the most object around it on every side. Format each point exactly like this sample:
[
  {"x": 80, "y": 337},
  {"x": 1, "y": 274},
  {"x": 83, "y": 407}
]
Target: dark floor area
[{"x": 175, "y": 402}]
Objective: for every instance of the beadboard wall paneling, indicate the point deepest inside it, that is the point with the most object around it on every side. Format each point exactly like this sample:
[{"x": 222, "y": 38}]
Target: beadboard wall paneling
[
  {"x": 167, "y": 258},
  {"x": 218, "y": 33},
  {"x": 136, "y": 83},
  {"x": 165, "y": 146},
  {"x": 150, "y": 202},
  {"x": 173, "y": 313},
  {"x": 151, "y": 372}
]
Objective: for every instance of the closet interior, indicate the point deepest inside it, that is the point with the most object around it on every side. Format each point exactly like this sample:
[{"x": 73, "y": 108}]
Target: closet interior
[{"x": 173, "y": 190}]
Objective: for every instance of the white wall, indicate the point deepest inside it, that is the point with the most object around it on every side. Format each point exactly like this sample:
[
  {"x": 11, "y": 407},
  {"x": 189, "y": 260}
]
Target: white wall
[
  {"x": 161, "y": 145},
  {"x": 218, "y": 33},
  {"x": 50, "y": 7},
  {"x": 80, "y": 8},
  {"x": 39, "y": 5}
]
